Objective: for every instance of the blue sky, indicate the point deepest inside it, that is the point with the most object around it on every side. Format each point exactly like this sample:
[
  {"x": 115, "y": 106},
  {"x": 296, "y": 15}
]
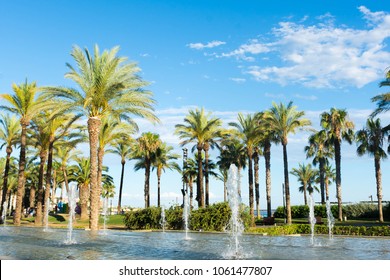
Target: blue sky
[{"x": 225, "y": 56}]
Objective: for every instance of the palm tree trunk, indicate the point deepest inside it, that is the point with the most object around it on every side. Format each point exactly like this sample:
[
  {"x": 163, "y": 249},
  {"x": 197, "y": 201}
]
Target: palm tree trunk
[
  {"x": 191, "y": 191},
  {"x": 158, "y": 186},
  {"x": 5, "y": 180},
  {"x": 39, "y": 214},
  {"x": 121, "y": 187},
  {"x": 94, "y": 124},
  {"x": 21, "y": 179},
  {"x": 224, "y": 190},
  {"x": 267, "y": 158},
  {"x": 199, "y": 180},
  {"x": 337, "y": 149},
  {"x": 257, "y": 184},
  {"x": 48, "y": 178},
  {"x": 250, "y": 179},
  {"x": 146, "y": 185},
  {"x": 83, "y": 194},
  {"x": 287, "y": 184},
  {"x": 66, "y": 182},
  {"x": 327, "y": 188},
  {"x": 322, "y": 180},
  {"x": 32, "y": 195},
  {"x": 239, "y": 168},
  {"x": 378, "y": 176},
  {"x": 100, "y": 168},
  {"x": 305, "y": 194},
  {"x": 206, "y": 175},
  {"x": 54, "y": 184}
]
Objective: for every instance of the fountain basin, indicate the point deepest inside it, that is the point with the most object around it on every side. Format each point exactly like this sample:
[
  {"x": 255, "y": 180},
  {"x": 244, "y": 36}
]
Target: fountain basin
[{"x": 34, "y": 244}]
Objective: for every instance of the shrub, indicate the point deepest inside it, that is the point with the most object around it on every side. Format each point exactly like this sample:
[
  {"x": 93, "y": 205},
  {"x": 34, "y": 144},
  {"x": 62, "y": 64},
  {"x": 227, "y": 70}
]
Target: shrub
[
  {"x": 302, "y": 211},
  {"x": 361, "y": 211}
]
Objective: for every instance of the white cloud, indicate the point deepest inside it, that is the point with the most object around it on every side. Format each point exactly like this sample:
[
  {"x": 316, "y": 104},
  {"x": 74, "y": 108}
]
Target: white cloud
[
  {"x": 209, "y": 45},
  {"x": 238, "y": 80},
  {"x": 306, "y": 97},
  {"x": 321, "y": 55}
]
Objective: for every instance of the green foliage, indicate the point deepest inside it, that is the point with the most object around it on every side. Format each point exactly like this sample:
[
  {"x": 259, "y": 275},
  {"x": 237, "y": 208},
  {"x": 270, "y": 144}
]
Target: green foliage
[
  {"x": 213, "y": 218},
  {"x": 302, "y": 211},
  {"x": 361, "y": 211},
  {"x": 322, "y": 229}
]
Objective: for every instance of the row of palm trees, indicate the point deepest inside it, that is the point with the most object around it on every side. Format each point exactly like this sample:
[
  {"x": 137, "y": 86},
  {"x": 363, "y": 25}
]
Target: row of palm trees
[{"x": 108, "y": 93}]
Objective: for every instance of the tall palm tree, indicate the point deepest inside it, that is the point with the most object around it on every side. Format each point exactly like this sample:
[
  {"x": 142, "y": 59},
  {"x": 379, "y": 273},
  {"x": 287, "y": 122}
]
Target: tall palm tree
[
  {"x": 164, "y": 158},
  {"x": 121, "y": 147},
  {"x": 285, "y": 120},
  {"x": 144, "y": 152},
  {"x": 382, "y": 100},
  {"x": 306, "y": 176},
  {"x": 370, "y": 141},
  {"x": 338, "y": 128},
  {"x": 203, "y": 129},
  {"x": 109, "y": 86},
  {"x": 267, "y": 138},
  {"x": 9, "y": 135},
  {"x": 26, "y": 104},
  {"x": 247, "y": 128},
  {"x": 320, "y": 150}
]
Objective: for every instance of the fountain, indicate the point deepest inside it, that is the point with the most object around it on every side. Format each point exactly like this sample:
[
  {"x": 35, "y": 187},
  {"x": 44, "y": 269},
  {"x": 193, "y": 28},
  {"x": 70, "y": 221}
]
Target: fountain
[
  {"x": 163, "y": 221},
  {"x": 235, "y": 225},
  {"x": 330, "y": 218},
  {"x": 186, "y": 213},
  {"x": 72, "y": 205},
  {"x": 312, "y": 218},
  {"x": 4, "y": 214}
]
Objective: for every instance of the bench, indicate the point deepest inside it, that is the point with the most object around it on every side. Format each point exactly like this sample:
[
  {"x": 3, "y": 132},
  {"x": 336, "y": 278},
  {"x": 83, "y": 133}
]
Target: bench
[{"x": 269, "y": 221}]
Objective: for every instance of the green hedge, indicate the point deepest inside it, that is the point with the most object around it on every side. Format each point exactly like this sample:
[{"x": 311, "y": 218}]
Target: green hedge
[
  {"x": 352, "y": 211},
  {"x": 213, "y": 218},
  {"x": 321, "y": 229}
]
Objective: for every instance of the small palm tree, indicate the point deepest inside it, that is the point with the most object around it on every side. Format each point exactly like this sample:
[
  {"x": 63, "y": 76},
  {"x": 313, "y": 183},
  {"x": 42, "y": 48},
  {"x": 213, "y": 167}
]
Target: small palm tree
[
  {"x": 144, "y": 152},
  {"x": 190, "y": 174},
  {"x": 26, "y": 104},
  {"x": 338, "y": 128},
  {"x": 329, "y": 178},
  {"x": 284, "y": 120},
  {"x": 108, "y": 86},
  {"x": 306, "y": 176},
  {"x": 370, "y": 141},
  {"x": 9, "y": 135},
  {"x": 204, "y": 130},
  {"x": 164, "y": 158},
  {"x": 320, "y": 150}
]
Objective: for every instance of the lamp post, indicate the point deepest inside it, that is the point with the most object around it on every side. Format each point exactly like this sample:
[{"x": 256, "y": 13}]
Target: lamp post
[{"x": 184, "y": 189}]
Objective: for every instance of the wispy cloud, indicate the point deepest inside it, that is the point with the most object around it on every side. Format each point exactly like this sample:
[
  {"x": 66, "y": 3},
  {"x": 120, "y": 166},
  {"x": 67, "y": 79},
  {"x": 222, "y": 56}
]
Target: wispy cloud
[
  {"x": 238, "y": 80},
  {"x": 209, "y": 45},
  {"x": 306, "y": 97},
  {"x": 321, "y": 55}
]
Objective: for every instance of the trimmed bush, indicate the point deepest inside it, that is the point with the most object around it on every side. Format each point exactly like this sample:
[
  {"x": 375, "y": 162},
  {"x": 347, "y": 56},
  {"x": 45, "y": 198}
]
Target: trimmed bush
[
  {"x": 213, "y": 218},
  {"x": 302, "y": 211}
]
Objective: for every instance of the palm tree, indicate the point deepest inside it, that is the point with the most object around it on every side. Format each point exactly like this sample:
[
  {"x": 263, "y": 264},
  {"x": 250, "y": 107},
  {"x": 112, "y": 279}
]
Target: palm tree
[
  {"x": 109, "y": 86},
  {"x": 247, "y": 128},
  {"x": 306, "y": 176},
  {"x": 267, "y": 138},
  {"x": 370, "y": 141},
  {"x": 111, "y": 131},
  {"x": 190, "y": 173},
  {"x": 9, "y": 134},
  {"x": 162, "y": 160},
  {"x": 320, "y": 150},
  {"x": 26, "y": 104},
  {"x": 80, "y": 173},
  {"x": 338, "y": 128},
  {"x": 145, "y": 151},
  {"x": 284, "y": 120},
  {"x": 233, "y": 151},
  {"x": 121, "y": 147},
  {"x": 329, "y": 177},
  {"x": 382, "y": 100},
  {"x": 203, "y": 129}
]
